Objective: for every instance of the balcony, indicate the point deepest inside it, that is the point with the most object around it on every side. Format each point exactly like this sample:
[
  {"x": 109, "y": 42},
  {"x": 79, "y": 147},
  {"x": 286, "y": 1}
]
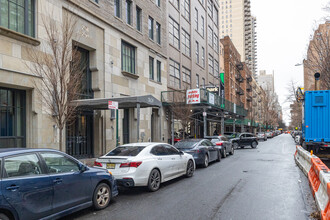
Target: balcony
[
  {"x": 239, "y": 77},
  {"x": 249, "y": 78},
  {"x": 249, "y": 98},
  {"x": 240, "y": 91},
  {"x": 248, "y": 88}
]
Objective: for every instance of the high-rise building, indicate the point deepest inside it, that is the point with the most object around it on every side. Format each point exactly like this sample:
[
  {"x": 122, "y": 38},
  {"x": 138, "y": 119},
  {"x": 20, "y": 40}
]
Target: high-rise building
[
  {"x": 239, "y": 25},
  {"x": 193, "y": 44}
]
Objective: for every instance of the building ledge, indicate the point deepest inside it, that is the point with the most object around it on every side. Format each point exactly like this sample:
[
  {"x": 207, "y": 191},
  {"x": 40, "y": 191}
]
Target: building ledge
[
  {"x": 134, "y": 76},
  {"x": 18, "y": 36}
]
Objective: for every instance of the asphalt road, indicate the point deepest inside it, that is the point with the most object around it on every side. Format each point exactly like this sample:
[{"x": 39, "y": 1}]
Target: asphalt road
[{"x": 261, "y": 183}]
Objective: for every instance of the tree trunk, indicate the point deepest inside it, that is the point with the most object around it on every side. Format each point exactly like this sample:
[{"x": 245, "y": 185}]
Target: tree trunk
[{"x": 61, "y": 139}]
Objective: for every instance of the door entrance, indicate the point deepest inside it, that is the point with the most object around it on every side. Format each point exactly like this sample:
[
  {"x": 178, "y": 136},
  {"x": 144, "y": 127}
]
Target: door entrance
[
  {"x": 80, "y": 136},
  {"x": 126, "y": 126}
]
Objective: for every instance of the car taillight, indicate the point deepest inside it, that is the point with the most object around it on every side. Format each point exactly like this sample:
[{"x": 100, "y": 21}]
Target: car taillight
[
  {"x": 131, "y": 164},
  {"x": 97, "y": 164},
  {"x": 326, "y": 145},
  {"x": 219, "y": 144}
]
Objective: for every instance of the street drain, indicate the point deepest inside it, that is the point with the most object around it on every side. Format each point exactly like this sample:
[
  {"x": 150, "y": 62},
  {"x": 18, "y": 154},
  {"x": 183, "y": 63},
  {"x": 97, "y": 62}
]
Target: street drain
[{"x": 245, "y": 171}]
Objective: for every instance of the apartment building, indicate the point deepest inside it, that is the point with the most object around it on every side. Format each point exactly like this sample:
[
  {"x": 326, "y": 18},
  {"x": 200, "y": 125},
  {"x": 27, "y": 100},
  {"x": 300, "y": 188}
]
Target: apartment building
[
  {"x": 239, "y": 25},
  {"x": 234, "y": 80},
  {"x": 124, "y": 44},
  {"x": 193, "y": 44}
]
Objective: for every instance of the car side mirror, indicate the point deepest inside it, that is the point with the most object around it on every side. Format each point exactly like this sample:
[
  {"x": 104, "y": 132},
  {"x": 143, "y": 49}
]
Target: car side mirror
[
  {"x": 82, "y": 168},
  {"x": 181, "y": 152}
]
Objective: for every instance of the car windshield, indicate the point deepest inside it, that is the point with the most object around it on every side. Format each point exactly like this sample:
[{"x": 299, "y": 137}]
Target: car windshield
[
  {"x": 126, "y": 151},
  {"x": 186, "y": 144},
  {"x": 232, "y": 136}
]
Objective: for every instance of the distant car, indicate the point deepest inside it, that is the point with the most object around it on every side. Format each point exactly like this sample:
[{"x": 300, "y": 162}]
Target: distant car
[
  {"x": 146, "y": 164},
  {"x": 48, "y": 184},
  {"x": 223, "y": 142},
  {"x": 245, "y": 139},
  {"x": 269, "y": 135},
  {"x": 262, "y": 136},
  {"x": 203, "y": 150}
]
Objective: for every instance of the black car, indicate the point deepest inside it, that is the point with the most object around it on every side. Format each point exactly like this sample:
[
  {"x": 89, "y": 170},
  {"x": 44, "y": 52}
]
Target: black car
[
  {"x": 245, "y": 139},
  {"x": 223, "y": 142},
  {"x": 203, "y": 150}
]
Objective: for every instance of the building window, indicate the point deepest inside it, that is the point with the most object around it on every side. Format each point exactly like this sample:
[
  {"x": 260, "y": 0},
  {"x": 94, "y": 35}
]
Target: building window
[
  {"x": 216, "y": 43},
  {"x": 197, "y": 52},
  {"x": 159, "y": 71},
  {"x": 186, "y": 77},
  {"x": 175, "y": 3},
  {"x": 203, "y": 81},
  {"x": 128, "y": 57},
  {"x": 175, "y": 74},
  {"x": 185, "y": 43},
  {"x": 86, "y": 81},
  {"x": 12, "y": 118},
  {"x": 151, "y": 68},
  {"x": 216, "y": 16},
  {"x": 210, "y": 8},
  {"x": 18, "y": 16},
  {"x": 138, "y": 18},
  {"x": 211, "y": 70},
  {"x": 96, "y": 1},
  {"x": 129, "y": 12},
  {"x": 186, "y": 9},
  {"x": 174, "y": 33},
  {"x": 202, "y": 27},
  {"x": 203, "y": 56},
  {"x": 197, "y": 81},
  {"x": 210, "y": 36},
  {"x": 117, "y": 8},
  {"x": 216, "y": 68},
  {"x": 158, "y": 33},
  {"x": 151, "y": 28},
  {"x": 196, "y": 18},
  {"x": 158, "y": 3}
]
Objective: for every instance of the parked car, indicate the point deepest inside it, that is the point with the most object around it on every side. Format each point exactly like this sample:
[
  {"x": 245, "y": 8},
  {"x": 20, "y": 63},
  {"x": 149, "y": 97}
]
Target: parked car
[
  {"x": 203, "y": 150},
  {"x": 223, "y": 142},
  {"x": 48, "y": 184},
  {"x": 269, "y": 134},
  {"x": 245, "y": 139},
  {"x": 146, "y": 164},
  {"x": 262, "y": 136}
]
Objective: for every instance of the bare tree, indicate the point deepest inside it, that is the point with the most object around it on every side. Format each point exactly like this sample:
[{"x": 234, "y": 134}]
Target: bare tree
[
  {"x": 318, "y": 55},
  {"x": 58, "y": 66},
  {"x": 181, "y": 111},
  {"x": 270, "y": 111},
  {"x": 295, "y": 106}
]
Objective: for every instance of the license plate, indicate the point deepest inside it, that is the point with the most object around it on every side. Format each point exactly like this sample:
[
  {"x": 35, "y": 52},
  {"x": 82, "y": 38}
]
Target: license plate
[{"x": 111, "y": 166}]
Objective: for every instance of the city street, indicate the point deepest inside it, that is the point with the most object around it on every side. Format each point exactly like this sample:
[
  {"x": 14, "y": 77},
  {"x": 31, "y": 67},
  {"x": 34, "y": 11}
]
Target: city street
[{"x": 261, "y": 183}]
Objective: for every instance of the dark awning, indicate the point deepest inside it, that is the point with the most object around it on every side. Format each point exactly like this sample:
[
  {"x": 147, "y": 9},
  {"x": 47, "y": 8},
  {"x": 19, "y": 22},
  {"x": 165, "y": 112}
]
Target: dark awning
[{"x": 123, "y": 102}]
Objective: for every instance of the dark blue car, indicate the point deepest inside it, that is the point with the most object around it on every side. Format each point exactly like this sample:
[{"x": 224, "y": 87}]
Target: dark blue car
[{"x": 48, "y": 184}]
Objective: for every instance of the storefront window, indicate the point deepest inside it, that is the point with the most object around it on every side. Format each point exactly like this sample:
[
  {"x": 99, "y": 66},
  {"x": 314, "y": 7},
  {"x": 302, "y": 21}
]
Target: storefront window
[{"x": 12, "y": 118}]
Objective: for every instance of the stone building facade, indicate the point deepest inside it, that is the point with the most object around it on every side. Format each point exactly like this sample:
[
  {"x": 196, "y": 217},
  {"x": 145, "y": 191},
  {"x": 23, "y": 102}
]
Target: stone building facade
[{"x": 118, "y": 37}]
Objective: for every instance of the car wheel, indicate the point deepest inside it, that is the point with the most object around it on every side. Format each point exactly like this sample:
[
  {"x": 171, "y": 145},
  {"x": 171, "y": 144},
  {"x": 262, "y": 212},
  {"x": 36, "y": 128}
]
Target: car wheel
[
  {"x": 232, "y": 151},
  {"x": 219, "y": 156},
  {"x": 224, "y": 153},
  {"x": 254, "y": 144},
  {"x": 102, "y": 196},
  {"x": 236, "y": 145},
  {"x": 206, "y": 161},
  {"x": 154, "y": 180},
  {"x": 190, "y": 169}
]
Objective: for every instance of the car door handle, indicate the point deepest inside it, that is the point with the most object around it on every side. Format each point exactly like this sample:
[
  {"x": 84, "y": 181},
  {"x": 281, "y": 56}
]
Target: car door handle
[
  {"x": 159, "y": 159},
  {"x": 173, "y": 158},
  {"x": 58, "y": 181},
  {"x": 12, "y": 187}
]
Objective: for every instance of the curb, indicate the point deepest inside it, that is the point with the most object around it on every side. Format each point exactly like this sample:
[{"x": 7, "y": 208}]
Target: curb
[{"x": 319, "y": 179}]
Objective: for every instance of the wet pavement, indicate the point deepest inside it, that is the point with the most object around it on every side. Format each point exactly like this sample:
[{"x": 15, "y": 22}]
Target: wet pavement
[{"x": 261, "y": 183}]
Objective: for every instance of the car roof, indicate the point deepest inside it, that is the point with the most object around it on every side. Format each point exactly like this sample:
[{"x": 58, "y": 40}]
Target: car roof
[
  {"x": 141, "y": 144},
  {"x": 13, "y": 151},
  {"x": 193, "y": 140}
]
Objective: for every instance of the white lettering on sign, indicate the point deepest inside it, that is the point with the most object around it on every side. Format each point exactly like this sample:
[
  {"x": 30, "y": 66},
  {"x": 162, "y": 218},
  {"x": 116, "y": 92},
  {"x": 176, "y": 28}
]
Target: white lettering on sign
[
  {"x": 112, "y": 105},
  {"x": 193, "y": 96}
]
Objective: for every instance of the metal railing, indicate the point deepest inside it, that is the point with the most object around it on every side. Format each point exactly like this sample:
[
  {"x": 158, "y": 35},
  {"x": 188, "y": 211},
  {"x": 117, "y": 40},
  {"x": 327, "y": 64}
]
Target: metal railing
[{"x": 206, "y": 97}]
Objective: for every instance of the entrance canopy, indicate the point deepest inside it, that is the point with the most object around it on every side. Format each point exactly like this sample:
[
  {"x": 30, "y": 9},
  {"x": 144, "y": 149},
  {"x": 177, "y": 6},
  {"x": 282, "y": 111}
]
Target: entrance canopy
[{"x": 123, "y": 102}]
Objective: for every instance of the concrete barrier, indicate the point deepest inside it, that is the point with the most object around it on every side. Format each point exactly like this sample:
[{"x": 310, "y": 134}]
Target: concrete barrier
[{"x": 319, "y": 179}]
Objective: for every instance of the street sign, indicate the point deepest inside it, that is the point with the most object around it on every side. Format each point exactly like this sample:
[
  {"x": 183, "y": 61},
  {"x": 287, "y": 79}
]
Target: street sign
[
  {"x": 193, "y": 96},
  {"x": 204, "y": 114},
  {"x": 211, "y": 98},
  {"x": 112, "y": 105}
]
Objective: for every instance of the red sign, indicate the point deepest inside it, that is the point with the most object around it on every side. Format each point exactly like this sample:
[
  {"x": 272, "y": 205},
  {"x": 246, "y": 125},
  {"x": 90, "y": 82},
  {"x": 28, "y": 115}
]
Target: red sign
[
  {"x": 193, "y": 96},
  {"x": 112, "y": 105}
]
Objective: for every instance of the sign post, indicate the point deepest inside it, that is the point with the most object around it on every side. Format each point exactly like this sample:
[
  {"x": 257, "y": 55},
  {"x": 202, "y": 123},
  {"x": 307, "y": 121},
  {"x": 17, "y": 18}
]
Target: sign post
[{"x": 114, "y": 105}]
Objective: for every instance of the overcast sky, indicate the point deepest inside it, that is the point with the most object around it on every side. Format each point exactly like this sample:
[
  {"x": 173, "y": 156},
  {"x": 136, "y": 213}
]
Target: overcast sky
[{"x": 283, "y": 32}]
